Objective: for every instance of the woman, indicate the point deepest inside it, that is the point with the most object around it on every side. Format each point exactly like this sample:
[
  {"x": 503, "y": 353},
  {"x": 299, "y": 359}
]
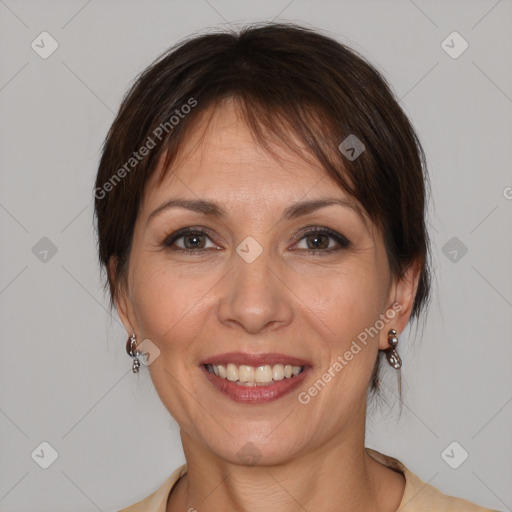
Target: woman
[{"x": 260, "y": 204}]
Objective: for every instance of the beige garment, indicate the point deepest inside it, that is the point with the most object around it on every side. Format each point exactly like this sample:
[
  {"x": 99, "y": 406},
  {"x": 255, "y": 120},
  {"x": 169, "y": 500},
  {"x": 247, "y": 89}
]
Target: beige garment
[{"x": 418, "y": 496}]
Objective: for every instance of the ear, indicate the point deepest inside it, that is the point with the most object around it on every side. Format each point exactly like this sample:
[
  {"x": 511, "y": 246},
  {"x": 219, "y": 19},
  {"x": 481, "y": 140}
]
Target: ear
[
  {"x": 401, "y": 300},
  {"x": 122, "y": 300}
]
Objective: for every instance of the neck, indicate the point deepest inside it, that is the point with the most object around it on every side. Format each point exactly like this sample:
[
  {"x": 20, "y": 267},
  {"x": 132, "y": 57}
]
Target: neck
[{"x": 339, "y": 476}]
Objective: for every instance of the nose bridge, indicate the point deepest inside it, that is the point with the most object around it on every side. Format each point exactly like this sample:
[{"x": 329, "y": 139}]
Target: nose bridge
[
  {"x": 254, "y": 296},
  {"x": 252, "y": 265},
  {"x": 252, "y": 269}
]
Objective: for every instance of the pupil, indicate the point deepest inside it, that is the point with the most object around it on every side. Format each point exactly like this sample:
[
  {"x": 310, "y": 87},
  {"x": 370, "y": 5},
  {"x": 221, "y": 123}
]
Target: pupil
[
  {"x": 317, "y": 241},
  {"x": 196, "y": 242}
]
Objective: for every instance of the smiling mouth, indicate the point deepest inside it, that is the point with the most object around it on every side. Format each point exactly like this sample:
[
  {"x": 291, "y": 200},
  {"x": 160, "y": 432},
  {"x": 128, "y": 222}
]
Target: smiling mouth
[{"x": 250, "y": 376}]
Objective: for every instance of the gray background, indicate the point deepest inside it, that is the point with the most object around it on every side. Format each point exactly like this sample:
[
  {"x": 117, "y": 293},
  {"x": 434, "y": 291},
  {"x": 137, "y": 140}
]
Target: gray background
[{"x": 65, "y": 377}]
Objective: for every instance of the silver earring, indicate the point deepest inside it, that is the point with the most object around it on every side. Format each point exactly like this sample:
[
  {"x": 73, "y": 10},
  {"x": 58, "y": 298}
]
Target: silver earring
[
  {"x": 391, "y": 354},
  {"x": 131, "y": 349}
]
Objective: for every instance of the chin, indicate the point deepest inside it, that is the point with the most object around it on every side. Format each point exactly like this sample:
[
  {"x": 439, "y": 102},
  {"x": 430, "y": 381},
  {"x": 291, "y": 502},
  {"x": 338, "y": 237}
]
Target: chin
[{"x": 256, "y": 449}]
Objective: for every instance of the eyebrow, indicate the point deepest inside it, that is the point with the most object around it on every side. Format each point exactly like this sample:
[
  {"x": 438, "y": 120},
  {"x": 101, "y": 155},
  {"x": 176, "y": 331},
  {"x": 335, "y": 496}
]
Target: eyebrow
[{"x": 293, "y": 211}]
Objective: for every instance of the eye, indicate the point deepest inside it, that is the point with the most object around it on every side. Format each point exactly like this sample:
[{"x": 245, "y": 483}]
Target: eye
[
  {"x": 318, "y": 240},
  {"x": 189, "y": 240}
]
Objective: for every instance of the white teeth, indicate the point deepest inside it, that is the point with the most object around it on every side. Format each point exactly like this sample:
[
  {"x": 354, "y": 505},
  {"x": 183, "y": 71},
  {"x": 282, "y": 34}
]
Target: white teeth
[
  {"x": 263, "y": 373},
  {"x": 245, "y": 375},
  {"x": 232, "y": 372},
  {"x": 278, "y": 372},
  {"x": 222, "y": 371}
]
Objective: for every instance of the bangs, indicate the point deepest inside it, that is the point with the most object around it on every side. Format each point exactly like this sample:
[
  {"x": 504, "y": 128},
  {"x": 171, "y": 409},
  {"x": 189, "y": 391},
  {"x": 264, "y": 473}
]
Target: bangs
[{"x": 305, "y": 130}]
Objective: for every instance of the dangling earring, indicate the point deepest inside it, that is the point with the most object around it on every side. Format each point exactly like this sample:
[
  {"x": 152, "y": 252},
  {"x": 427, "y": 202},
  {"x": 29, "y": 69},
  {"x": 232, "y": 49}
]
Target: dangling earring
[
  {"x": 131, "y": 349},
  {"x": 392, "y": 356}
]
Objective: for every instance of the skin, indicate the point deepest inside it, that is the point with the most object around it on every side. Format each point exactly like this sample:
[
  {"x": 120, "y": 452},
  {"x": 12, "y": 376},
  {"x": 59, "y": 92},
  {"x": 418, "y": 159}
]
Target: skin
[{"x": 193, "y": 306}]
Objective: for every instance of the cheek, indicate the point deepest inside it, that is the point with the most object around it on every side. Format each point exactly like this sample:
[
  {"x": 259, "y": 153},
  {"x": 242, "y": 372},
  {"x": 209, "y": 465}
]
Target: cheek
[
  {"x": 345, "y": 301},
  {"x": 346, "y": 306},
  {"x": 166, "y": 302}
]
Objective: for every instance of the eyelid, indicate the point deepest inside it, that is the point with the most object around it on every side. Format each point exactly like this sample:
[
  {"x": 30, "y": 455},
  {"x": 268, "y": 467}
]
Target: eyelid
[
  {"x": 341, "y": 240},
  {"x": 180, "y": 233}
]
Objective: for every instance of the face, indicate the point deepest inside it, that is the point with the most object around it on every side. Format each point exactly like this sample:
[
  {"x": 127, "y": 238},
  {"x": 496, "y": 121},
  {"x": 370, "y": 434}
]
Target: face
[{"x": 255, "y": 283}]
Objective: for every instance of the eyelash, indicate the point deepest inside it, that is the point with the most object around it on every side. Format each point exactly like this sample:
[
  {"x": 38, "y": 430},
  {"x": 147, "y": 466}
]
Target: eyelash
[{"x": 340, "y": 239}]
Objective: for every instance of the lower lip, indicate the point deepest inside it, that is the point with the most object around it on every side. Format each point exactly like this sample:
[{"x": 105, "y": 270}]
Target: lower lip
[{"x": 256, "y": 394}]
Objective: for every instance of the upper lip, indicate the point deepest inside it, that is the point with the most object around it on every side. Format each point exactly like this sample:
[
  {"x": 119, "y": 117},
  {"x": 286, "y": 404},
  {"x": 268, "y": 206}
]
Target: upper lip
[{"x": 241, "y": 358}]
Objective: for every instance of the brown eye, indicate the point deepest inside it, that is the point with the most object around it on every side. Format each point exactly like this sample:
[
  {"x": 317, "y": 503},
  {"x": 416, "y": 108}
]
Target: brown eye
[
  {"x": 189, "y": 240},
  {"x": 319, "y": 240},
  {"x": 194, "y": 241}
]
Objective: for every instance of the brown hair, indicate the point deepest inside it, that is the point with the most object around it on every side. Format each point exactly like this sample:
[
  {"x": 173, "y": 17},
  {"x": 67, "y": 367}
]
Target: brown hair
[{"x": 286, "y": 79}]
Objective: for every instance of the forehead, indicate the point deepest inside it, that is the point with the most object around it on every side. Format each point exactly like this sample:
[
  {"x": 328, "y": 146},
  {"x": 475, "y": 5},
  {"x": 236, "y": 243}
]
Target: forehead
[{"x": 220, "y": 157}]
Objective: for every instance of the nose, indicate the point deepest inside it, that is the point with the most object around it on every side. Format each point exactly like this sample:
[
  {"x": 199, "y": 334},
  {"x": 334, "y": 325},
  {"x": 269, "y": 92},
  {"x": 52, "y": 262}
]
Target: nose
[{"x": 255, "y": 295}]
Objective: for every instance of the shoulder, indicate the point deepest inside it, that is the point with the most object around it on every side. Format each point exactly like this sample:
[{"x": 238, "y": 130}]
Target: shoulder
[
  {"x": 418, "y": 495},
  {"x": 423, "y": 497},
  {"x": 157, "y": 501}
]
